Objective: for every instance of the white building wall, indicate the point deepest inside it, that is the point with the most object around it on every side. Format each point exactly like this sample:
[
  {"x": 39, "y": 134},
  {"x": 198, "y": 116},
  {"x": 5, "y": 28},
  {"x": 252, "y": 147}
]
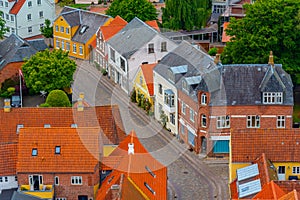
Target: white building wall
[
  {"x": 159, "y": 100},
  {"x": 8, "y": 182}
]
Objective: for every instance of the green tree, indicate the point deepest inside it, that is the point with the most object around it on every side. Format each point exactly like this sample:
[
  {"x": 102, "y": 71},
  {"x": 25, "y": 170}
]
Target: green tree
[
  {"x": 47, "y": 30},
  {"x": 271, "y": 25},
  {"x": 186, "y": 15},
  {"x": 128, "y": 9},
  {"x": 47, "y": 71},
  {"x": 3, "y": 28},
  {"x": 57, "y": 98}
]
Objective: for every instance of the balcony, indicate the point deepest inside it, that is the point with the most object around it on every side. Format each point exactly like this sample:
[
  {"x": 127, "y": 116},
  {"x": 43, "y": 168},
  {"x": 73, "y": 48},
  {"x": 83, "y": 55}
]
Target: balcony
[{"x": 45, "y": 191}]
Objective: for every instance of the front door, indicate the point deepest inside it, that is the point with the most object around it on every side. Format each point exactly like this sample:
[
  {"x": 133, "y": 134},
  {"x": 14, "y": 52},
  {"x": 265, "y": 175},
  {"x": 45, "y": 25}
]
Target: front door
[
  {"x": 281, "y": 173},
  {"x": 203, "y": 145},
  {"x": 82, "y": 197},
  {"x": 36, "y": 183}
]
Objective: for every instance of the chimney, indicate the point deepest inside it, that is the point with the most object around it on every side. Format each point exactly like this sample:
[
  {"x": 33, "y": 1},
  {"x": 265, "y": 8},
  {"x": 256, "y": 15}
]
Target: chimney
[
  {"x": 271, "y": 59},
  {"x": 7, "y": 105},
  {"x": 80, "y": 106},
  {"x": 81, "y": 95},
  {"x": 130, "y": 148},
  {"x": 217, "y": 59},
  {"x": 115, "y": 191}
]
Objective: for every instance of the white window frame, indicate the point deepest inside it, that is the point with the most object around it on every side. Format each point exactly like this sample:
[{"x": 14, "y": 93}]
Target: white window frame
[
  {"x": 62, "y": 44},
  {"x": 57, "y": 43},
  {"x": 56, "y": 180},
  {"x": 39, "y": 2},
  {"x": 41, "y": 14},
  {"x": 56, "y": 28},
  {"x": 203, "y": 118},
  {"x": 12, "y": 18},
  {"x": 68, "y": 46},
  {"x": 76, "y": 180},
  {"x": 272, "y": 98},
  {"x": 253, "y": 121},
  {"x": 172, "y": 118},
  {"x": 61, "y": 198},
  {"x": 296, "y": 170},
  {"x": 163, "y": 47},
  {"x": 192, "y": 115},
  {"x": 150, "y": 48},
  {"x": 29, "y": 4},
  {"x": 280, "y": 123},
  {"x": 182, "y": 128},
  {"x": 223, "y": 122},
  {"x": 80, "y": 50},
  {"x": 74, "y": 48},
  {"x": 62, "y": 29},
  {"x": 183, "y": 108},
  {"x": 6, "y": 4},
  {"x": 203, "y": 99},
  {"x": 67, "y": 30}
]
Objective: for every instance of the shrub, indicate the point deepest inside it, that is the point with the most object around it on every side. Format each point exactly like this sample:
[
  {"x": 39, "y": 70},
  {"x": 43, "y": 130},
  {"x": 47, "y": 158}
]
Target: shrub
[
  {"x": 133, "y": 96},
  {"x": 213, "y": 51},
  {"x": 104, "y": 72},
  {"x": 44, "y": 105},
  {"x": 58, "y": 98}
]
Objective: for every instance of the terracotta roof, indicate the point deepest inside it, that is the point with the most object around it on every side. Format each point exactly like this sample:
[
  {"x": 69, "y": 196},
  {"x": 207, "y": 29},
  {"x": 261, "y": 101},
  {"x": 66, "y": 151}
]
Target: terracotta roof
[
  {"x": 113, "y": 27},
  {"x": 153, "y": 24},
  {"x": 225, "y": 37},
  {"x": 293, "y": 195},
  {"x": 79, "y": 150},
  {"x": 8, "y": 161},
  {"x": 270, "y": 191},
  {"x": 16, "y": 7},
  {"x": 147, "y": 70},
  {"x": 288, "y": 186},
  {"x": 106, "y": 117},
  {"x": 247, "y": 145},
  {"x": 140, "y": 168}
]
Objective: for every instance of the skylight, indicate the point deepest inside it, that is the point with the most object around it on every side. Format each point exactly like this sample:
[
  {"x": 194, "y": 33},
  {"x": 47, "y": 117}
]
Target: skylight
[
  {"x": 83, "y": 29},
  {"x": 57, "y": 150},
  {"x": 34, "y": 152}
]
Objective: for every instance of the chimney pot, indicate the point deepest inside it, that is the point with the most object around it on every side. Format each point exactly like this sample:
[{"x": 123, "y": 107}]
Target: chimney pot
[
  {"x": 7, "y": 105},
  {"x": 271, "y": 59},
  {"x": 79, "y": 104}
]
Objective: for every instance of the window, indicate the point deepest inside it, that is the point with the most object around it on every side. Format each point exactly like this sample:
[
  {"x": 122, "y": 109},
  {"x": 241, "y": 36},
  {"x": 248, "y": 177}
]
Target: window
[
  {"x": 18, "y": 127},
  {"x": 57, "y": 150},
  {"x": 184, "y": 86},
  {"x": 76, "y": 180},
  {"x": 169, "y": 99},
  {"x": 7, "y": 16},
  {"x": 41, "y": 14},
  {"x": 67, "y": 30},
  {"x": 122, "y": 61},
  {"x": 56, "y": 180},
  {"x": 12, "y": 18},
  {"x": 296, "y": 170},
  {"x": 29, "y": 3},
  {"x": 141, "y": 80},
  {"x": 253, "y": 121},
  {"x": 41, "y": 26},
  {"x": 34, "y": 152},
  {"x": 192, "y": 115},
  {"x": 56, "y": 28},
  {"x": 39, "y": 2},
  {"x": 203, "y": 99},
  {"x": 183, "y": 107},
  {"x": 80, "y": 50},
  {"x": 151, "y": 48},
  {"x": 203, "y": 120},
  {"x": 112, "y": 54},
  {"x": 67, "y": 46},
  {"x": 74, "y": 126},
  {"x": 1, "y": 179},
  {"x": 74, "y": 48},
  {"x": 62, "y": 29},
  {"x": 5, "y": 179},
  {"x": 30, "y": 29},
  {"x": 57, "y": 43},
  {"x": 60, "y": 198},
  {"x": 280, "y": 122},
  {"x": 13, "y": 30},
  {"x": 62, "y": 44},
  {"x": 6, "y": 4},
  {"x": 1, "y": 3},
  {"x": 172, "y": 118},
  {"x": 272, "y": 98},
  {"x": 160, "y": 88},
  {"x": 16, "y": 178},
  {"x": 223, "y": 121},
  {"x": 163, "y": 46},
  {"x": 182, "y": 129}
]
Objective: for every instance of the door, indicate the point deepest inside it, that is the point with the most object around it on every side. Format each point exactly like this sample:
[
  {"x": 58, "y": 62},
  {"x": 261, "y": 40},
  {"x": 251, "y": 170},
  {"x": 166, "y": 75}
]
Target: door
[
  {"x": 281, "y": 173},
  {"x": 203, "y": 145},
  {"x": 35, "y": 181},
  {"x": 82, "y": 197}
]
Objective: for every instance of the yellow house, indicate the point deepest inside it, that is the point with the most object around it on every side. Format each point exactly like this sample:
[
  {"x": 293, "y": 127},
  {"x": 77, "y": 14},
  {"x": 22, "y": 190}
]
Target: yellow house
[
  {"x": 143, "y": 82},
  {"x": 280, "y": 146},
  {"x": 74, "y": 30}
]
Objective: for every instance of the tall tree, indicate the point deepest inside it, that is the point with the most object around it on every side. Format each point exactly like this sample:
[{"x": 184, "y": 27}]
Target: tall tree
[
  {"x": 186, "y": 15},
  {"x": 128, "y": 9},
  {"x": 271, "y": 25},
  {"x": 47, "y": 71},
  {"x": 3, "y": 28},
  {"x": 47, "y": 30}
]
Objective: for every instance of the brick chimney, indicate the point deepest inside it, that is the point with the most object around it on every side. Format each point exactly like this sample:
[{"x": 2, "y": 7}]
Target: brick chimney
[{"x": 7, "y": 105}]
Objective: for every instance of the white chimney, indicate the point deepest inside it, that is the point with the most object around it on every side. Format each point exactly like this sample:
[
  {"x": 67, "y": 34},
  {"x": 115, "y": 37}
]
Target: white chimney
[{"x": 130, "y": 148}]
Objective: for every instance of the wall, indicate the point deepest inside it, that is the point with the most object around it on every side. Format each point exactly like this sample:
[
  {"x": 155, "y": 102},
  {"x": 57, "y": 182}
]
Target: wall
[
  {"x": 11, "y": 183},
  {"x": 10, "y": 71}
]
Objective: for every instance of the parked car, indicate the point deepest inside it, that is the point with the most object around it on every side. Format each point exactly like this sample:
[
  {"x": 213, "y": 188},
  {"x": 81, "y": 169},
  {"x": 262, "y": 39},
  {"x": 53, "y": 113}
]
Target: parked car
[{"x": 15, "y": 101}]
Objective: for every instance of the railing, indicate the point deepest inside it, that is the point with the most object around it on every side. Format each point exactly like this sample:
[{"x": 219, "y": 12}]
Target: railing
[{"x": 44, "y": 192}]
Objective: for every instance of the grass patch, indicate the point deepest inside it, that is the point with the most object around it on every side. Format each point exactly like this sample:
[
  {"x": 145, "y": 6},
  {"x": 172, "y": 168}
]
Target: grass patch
[
  {"x": 80, "y": 6},
  {"x": 296, "y": 113}
]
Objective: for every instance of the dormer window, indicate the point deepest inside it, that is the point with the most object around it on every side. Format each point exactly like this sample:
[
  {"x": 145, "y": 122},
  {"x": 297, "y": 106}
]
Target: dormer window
[
  {"x": 57, "y": 150},
  {"x": 203, "y": 99},
  {"x": 272, "y": 98},
  {"x": 185, "y": 86},
  {"x": 47, "y": 125},
  {"x": 19, "y": 126},
  {"x": 34, "y": 152},
  {"x": 151, "y": 48},
  {"x": 74, "y": 126}
]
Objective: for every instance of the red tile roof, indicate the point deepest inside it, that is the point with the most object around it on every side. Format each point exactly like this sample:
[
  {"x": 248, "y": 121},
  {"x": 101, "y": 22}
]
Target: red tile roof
[
  {"x": 147, "y": 70},
  {"x": 16, "y": 7},
  {"x": 140, "y": 168},
  {"x": 8, "y": 161},
  {"x": 288, "y": 186},
  {"x": 79, "y": 150},
  {"x": 270, "y": 191},
  {"x": 225, "y": 37},
  {"x": 153, "y": 24},
  {"x": 247, "y": 145},
  {"x": 293, "y": 195},
  {"x": 113, "y": 27}
]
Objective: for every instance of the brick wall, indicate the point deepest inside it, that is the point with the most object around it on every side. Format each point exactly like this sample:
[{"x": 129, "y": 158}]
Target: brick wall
[{"x": 9, "y": 71}]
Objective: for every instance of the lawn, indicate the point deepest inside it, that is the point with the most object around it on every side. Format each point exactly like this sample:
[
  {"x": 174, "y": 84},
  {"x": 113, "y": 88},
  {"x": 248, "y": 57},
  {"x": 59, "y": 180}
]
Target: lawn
[{"x": 80, "y": 6}]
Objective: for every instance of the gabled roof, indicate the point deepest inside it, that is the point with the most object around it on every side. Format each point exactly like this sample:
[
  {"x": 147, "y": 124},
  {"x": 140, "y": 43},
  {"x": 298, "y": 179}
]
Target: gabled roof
[
  {"x": 225, "y": 37},
  {"x": 17, "y": 7},
  {"x": 15, "y": 49},
  {"x": 147, "y": 70},
  {"x": 88, "y": 22},
  {"x": 270, "y": 191},
  {"x": 247, "y": 145},
  {"x": 132, "y": 37},
  {"x": 140, "y": 168},
  {"x": 288, "y": 186},
  {"x": 8, "y": 161},
  {"x": 79, "y": 150},
  {"x": 113, "y": 27},
  {"x": 153, "y": 24},
  {"x": 293, "y": 195}
]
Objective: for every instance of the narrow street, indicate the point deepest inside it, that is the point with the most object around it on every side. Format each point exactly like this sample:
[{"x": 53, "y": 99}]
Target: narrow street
[{"x": 190, "y": 176}]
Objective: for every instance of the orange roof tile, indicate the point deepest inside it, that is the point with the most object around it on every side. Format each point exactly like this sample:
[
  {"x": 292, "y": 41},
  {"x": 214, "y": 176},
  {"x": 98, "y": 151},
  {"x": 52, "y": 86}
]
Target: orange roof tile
[
  {"x": 147, "y": 70},
  {"x": 247, "y": 145},
  {"x": 17, "y": 6},
  {"x": 113, "y": 27},
  {"x": 8, "y": 159},
  {"x": 225, "y": 37},
  {"x": 288, "y": 186},
  {"x": 118, "y": 21},
  {"x": 270, "y": 191},
  {"x": 79, "y": 150},
  {"x": 153, "y": 24},
  {"x": 293, "y": 195}
]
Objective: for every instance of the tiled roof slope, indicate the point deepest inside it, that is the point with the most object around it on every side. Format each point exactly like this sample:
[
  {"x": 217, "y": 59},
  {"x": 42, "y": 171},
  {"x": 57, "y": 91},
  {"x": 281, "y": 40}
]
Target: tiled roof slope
[
  {"x": 80, "y": 150},
  {"x": 293, "y": 195},
  {"x": 8, "y": 161},
  {"x": 16, "y": 7},
  {"x": 78, "y": 17},
  {"x": 108, "y": 118},
  {"x": 15, "y": 49},
  {"x": 153, "y": 24},
  {"x": 113, "y": 27},
  {"x": 288, "y": 186},
  {"x": 247, "y": 145},
  {"x": 132, "y": 37},
  {"x": 270, "y": 191},
  {"x": 147, "y": 70},
  {"x": 225, "y": 37}
]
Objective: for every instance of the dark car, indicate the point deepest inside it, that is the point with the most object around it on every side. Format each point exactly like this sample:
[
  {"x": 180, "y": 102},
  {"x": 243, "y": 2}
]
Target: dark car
[{"x": 15, "y": 101}]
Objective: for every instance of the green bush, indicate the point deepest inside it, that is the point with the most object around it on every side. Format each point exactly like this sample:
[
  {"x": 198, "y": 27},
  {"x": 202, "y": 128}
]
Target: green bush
[
  {"x": 8, "y": 92},
  {"x": 213, "y": 51},
  {"x": 133, "y": 96},
  {"x": 58, "y": 98},
  {"x": 104, "y": 72},
  {"x": 44, "y": 105}
]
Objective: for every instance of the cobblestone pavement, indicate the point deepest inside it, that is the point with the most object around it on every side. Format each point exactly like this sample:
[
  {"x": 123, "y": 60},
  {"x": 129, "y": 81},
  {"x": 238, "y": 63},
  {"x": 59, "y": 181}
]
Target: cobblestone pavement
[{"x": 190, "y": 176}]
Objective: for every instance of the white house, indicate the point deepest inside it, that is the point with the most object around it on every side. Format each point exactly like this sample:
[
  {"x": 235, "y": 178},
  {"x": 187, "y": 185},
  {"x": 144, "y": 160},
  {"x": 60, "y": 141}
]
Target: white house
[
  {"x": 26, "y": 17},
  {"x": 137, "y": 43}
]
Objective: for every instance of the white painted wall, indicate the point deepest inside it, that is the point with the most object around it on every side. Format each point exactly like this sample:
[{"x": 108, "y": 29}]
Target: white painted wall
[{"x": 9, "y": 184}]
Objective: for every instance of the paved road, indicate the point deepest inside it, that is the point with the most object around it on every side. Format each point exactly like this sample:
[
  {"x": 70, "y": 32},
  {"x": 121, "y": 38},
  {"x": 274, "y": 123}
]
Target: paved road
[{"x": 190, "y": 176}]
